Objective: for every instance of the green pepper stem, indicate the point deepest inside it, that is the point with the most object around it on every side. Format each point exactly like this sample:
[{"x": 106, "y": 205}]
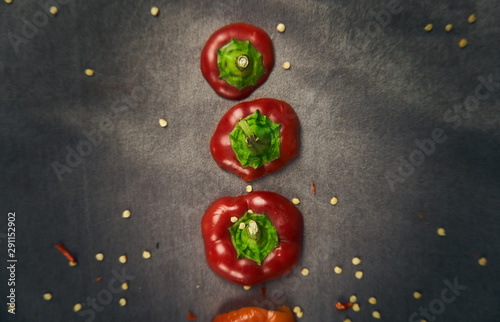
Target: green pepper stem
[
  {"x": 242, "y": 62},
  {"x": 253, "y": 230},
  {"x": 252, "y": 141}
]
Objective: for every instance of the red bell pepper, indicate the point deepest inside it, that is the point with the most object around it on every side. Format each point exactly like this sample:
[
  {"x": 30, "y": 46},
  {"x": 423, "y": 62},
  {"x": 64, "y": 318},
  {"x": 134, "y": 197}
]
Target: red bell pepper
[
  {"x": 237, "y": 59},
  {"x": 255, "y": 138},
  {"x": 255, "y": 314},
  {"x": 252, "y": 238}
]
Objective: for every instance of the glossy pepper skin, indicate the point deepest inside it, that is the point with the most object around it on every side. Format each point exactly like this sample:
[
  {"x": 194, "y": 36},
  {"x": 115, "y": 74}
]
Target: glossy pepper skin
[
  {"x": 255, "y": 314},
  {"x": 277, "y": 111},
  {"x": 221, "y": 253},
  {"x": 241, "y": 32}
]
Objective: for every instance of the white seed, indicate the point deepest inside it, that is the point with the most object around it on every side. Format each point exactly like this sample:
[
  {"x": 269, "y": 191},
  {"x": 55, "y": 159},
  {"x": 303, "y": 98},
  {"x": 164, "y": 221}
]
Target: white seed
[
  {"x": 304, "y": 272},
  {"x": 146, "y": 254},
  {"x": 280, "y": 27},
  {"x": 359, "y": 275},
  {"x": 483, "y": 261},
  {"x": 428, "y": 27},
  {"x": 417, "y": 295},
  {"x": 73, "y": 264},
  {"x": 334, "y": 201},
  {"x": 462, "y": 43},
  {"x": 53, "y": 10},
  {"x": 163, "y": 123},
  {"x": 472, "y": 18},
  {"x": 356, "y": 307},
  {"x": 242, "y": 225},
  {"x": 47, "y": 296},
  {"x": 234, "y": 219},
  {"x": 337, "y": 270},
  {"x": 347, "y": 320},
  {"x": 250, "y": 211},
  {"x": 286, "y": 65},
  {"x": 249, "y": 188},
  {"x": 89, "y": 72},
  {"x": 125, "y": 286},
  {"x": 448, "y": 27},
  {"x": 126, "y": 214},
  {"x": 252, "y": 227},
  {"x": 372, "y": 300},
  {"x": 99, "y": 256},
  {"x": 297, "y": 309},
  {"x": 8, "y": 1},
  {"x": 300, "y": 314},
  {"x": 356, "y": 261},
  {"x": 376, "y": 314},
  {"x": 122, "y": 301},
  {"x": 155, "y": 11},
  {"x": 247, "y": 287},
  {"x": 77, "y": 307},
  {"x": 441, "y": 232},
  {"x": 353, "y": 299},
  {"x": 295, "y": 201},
  {"x": 123, "y": 259}
]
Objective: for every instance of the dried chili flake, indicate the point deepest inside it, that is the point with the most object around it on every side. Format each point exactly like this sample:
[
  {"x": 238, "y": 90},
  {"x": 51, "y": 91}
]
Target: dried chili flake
[
  {"x": 313, "y": 186},
  {"x": 343, "y": 306},
  {"x": 263, "y": 292},
  {"x": 66, "y": 253}
]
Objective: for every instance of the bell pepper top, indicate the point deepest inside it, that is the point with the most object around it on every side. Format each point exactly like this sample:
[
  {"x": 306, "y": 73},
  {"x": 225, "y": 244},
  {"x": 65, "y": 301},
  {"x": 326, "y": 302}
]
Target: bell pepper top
[
  {"x": 240, "y": 64},
  {"x": 256, "y": 140},
  {"x": 254, "y": 237}
]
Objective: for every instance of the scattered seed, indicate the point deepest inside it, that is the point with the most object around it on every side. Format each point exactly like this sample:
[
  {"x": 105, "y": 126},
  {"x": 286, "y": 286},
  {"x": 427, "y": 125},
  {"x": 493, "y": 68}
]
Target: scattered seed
[
  {"x": 8, "y": 1},
  {"x": 417, "y": 295},
  {"x": 155, "y": 11},
  {"x": 77, "y": 307},
  {"x": 472, "y": 18},
  {"x": 300, "y": 314},
  {"x": 286, "y": 65},
  {"x": 123, "y": 259},
  {"x": 89, "y": 72},
  {"x": 428, "y": 27},
  {"x": 334, "y": 201},
  {"x": 47, "y": 296},
  {"x": 122, "y": 301},
  {"x": 280, "y": 27},
  {"x": 483, "y": 261},
  {"x": 441, "y": 232},
  {"x": 242, "y": 225},
  {"x": 53, "y": 10},
  {"x": 337, "y": 270},
  {"x": 126, "y": 214},
  {"x": 372, "y": 300},
  {"x": 353, "y": 299},
  {"x": 250, "y": 211},
  {"x": 359, "y": 275},
  {"x": 234, "y": 219},
  {"x": 304, "y": 272},
  {"x": 295, "y": 201},
  {"x": 146, "y": 254},
  {"x": 297, "y": 309},
  {"x": 462, "y": 43},
  {"x": 125, "y": 286},
  {"x": 247, "y": 287},
  {"x": 99, "y": 256},
  {"x": 163, "y": 123},
  {"x": 356, "y": 261},
  {"x": 376, "y": 314},
  {"x": 249, "y": 188},
  {"x": 347, "y": 320},
  {"x": 356, "y": 307},
  {"x": 448, "y": 27},
  {"x": 73, "y": 264}
]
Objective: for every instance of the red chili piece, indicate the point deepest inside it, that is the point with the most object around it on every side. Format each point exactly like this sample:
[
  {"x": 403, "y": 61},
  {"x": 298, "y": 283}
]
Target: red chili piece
[
  {"x": 313, "y": 186},
  {"x": 241, "y": 32},
  {"x": 191, "y": 317},
  {"x": 263, "y": 292},
  {"x": 222, "y": 253},
  {"x": 343, "y": 306},
  {"x": 66, "y": 253},
  {"x": 279, "y": 112}
]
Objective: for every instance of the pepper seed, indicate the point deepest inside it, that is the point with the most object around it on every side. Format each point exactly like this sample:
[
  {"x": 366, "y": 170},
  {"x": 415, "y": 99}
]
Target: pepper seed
[
  {"x": 8, "y": 1},
  {"x": 53, "y": 10},
  {"x": 99, "y": 256},
  {"x": 163, "y": 123},
  {"x": 483, "y": 261},
  {"x": 356, "y": 261},
  {"x": 300, "y": 314},
  {"x": 334, "y": 201},
  {"x": 123, "y": 259},
  {"x": 234, "y": 219},
  {"x": 89, "y": 72},
  {"x": 353, "y": 299},
  {"x": 146, "y": 254},
  {"x": 376, "y": 314},
  {"x": 417, "y": 295},
  {"x": 295, "y": 201},
  {"x": 297, "y": 309},
  {"x": 347, "y": 320},
  {"x": 242, "y": 225},
  {"x": 359, "y": 275},
  {"x": 304, "y": 271},
  {"x": 247, "y": 287},
  {"x": 286, "y": 65},
  {"x": 356, "y": 307},
  {"x": 125, "y": 286},
  {"x": 337, "y": 270},
  {"x": 280, "y": 27},
  {"x": 472, "y": 18},
  {"x": 448, "y": 27},
  {"x": 126, "y": 214},
  {"x": 462, "y": 43},
  {"x": 47, "y": 296},
  {"x": 77, "y": 307},
  {"x": 441, "y": 232},
  {"x": 122, "y": 301},
  {"x": 249, "y": 188},
  {"x": 372, "y": 300},
  {"x": 155, "y": 11},
  {"x": 428, "y": 27}
]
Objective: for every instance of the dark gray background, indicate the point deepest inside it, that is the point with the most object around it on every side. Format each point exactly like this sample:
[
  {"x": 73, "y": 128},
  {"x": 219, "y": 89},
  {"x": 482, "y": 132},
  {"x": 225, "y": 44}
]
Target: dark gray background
[{"x": 362, "y": 103}]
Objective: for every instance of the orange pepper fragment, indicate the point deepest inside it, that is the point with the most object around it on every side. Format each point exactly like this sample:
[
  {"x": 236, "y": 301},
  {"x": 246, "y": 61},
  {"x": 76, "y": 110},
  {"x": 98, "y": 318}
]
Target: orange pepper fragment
[
  {"x": 343, "y": 306},
  {"x": 313, "y": 186},
  {"x": 255, "y": 314},
  {"x": 191, "y": 316}
]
